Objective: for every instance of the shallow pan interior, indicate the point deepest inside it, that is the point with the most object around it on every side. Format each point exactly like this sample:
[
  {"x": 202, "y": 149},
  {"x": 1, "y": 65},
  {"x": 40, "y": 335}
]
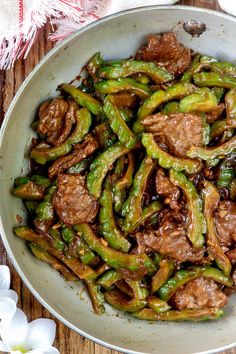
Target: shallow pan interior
[{"x": 117, "y": 36}]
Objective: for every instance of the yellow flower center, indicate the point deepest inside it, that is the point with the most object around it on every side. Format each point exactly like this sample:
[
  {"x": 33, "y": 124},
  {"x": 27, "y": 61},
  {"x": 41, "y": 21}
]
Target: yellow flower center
[{"x": 20, "y": 349}]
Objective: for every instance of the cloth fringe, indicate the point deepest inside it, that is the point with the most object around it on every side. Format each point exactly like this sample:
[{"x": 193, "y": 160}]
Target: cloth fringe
[
  {"x": 17, "y": 45},
  {"x": 66, "y": 26}
]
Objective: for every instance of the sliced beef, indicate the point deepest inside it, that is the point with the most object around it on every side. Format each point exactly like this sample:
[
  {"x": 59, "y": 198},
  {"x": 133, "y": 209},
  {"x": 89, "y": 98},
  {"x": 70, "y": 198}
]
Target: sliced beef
[
  {"x": 225, "y": 220},
  {"x": 72, "y": 201},
  {"x": 43, "y": 226},
  {"x": 215, "y": 114},
  {"x": 125, "y": 99},
  {"x": 81, "y": 151},
  {"x": 165, "y": 51},
  {"x": 167, "y": 189},
  {"x": 181, "y": 130},
  {"x": 199, "y": 293},
  {"x": 51, "y": 115},
  {"x": 170, "y": 239},
  {"x": 177, "y": 217},
  {"x": 133, "y": 274},
  {"x": 209, "y": 173},
  {"x": 141, "y": 245},
  {"x": 69, "y": 120}
]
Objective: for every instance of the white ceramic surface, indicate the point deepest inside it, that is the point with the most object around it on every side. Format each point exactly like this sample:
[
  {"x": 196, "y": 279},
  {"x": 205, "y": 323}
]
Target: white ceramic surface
[{"x": 117, "y": 36}]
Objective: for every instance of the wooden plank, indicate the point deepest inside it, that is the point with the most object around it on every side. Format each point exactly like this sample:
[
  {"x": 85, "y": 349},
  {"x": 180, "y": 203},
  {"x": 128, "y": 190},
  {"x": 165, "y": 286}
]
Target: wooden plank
[{"x": 67, "y": 341}]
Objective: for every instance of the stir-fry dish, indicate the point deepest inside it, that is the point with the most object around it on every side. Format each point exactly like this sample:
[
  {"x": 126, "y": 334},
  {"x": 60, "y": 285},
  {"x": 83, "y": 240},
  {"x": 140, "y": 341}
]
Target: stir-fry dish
[{"x": 132, "y": 183}]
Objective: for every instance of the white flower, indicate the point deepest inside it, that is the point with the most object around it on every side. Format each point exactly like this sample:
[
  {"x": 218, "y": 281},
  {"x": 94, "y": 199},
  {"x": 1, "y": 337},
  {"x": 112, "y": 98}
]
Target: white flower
[
  {"x": 8, "y": 298},
  {"x": 228, "y": 6},
  {"x": 18, "y": 336}
]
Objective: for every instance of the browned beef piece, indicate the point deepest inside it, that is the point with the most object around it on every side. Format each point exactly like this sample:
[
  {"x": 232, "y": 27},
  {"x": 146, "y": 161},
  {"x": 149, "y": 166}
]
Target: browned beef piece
[
  {"x": 81, "y": 151},
  {"x": 165, "y": 51},
  {"x": 231, "y": 254},
  {"x": 51, "y": 115},
  {"x": 225, "y": 220},
  {"x": 72, "y": 201},
  {"x": 215, "y": 114},
  {"x": 178, "y": 217},
  {"x": 171, "y": 239},
  {"x": 167, "y": 189},
  {"x": 133, "y": 275},
  {"x": 141, "y": 245},
  {"x": 199, "y": 293},
  {"x": 125, "y": 99},
  {"x": 43, "y": 226},
  {"x": 181, "y": 130},
  {"x": 68, "y": 123}
]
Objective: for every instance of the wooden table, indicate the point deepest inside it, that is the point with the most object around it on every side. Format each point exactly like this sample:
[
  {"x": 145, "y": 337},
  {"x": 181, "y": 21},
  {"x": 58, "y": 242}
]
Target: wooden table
[{"x": 67, "y": 341}]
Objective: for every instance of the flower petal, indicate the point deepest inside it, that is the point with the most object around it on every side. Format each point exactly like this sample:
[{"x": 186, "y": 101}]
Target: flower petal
[
  {"x": 7, "y": 308},
  {"x": 4, "y": 277},
  {"x": 44, "y": 350},
  {"x": 4, "y": 347},
  {"x": 9, "y": 293},
  {"x": 14, "y": 332},
  {"x": 41, "y": 332}
]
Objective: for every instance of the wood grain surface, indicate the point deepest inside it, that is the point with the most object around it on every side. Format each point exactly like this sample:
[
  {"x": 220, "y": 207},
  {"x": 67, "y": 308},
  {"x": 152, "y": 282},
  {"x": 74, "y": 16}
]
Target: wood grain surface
[{"x": 67, "y": 341}]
